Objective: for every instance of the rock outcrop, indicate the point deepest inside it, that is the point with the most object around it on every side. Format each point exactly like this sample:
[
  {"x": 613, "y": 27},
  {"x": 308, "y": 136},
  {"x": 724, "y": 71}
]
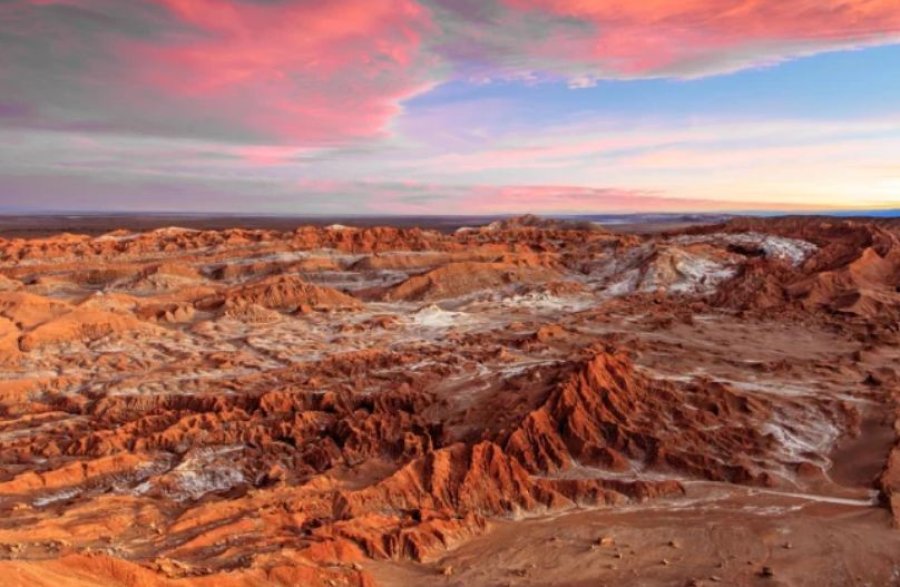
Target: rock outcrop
[
  {"x": 459, "y": 279},
  {"x": 286, "y": 293},
  {"x": 189, "y": 407}
]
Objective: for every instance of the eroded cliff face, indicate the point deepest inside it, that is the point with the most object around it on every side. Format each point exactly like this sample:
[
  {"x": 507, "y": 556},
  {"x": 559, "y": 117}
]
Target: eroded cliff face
[{"x": 186, "y": 407}]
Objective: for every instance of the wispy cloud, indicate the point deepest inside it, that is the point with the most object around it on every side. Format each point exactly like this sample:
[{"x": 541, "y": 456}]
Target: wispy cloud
[
  {"x": 595, "y": 166},
  {"x": 315, "y": 73},
  {"x": 297, "y": 100},
  {"x": 307, "y": 73},
  {"x": 584, "y": 41}
]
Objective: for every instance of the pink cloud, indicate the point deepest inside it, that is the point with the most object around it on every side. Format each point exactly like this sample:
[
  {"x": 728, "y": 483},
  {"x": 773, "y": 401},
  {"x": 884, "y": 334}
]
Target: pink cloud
[
  {"x": 320, "y": 73},
  {"x": 307, "y": 72},
  {"x": 268, "y": 155},
  {"x": 572, "y": 199},
  {"x": 410, "y": 197},
  {"x": 694, "y": 37}
]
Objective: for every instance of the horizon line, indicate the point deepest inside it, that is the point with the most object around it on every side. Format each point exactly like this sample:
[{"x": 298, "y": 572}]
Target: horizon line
[{"x": 880, "y": 211}]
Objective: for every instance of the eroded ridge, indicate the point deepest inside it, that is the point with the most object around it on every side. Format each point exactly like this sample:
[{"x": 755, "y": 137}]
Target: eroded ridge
[{"x": 345, "y": 406}]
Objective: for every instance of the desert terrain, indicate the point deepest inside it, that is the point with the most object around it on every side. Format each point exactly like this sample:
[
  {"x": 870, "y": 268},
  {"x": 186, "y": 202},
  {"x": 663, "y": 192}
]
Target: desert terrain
[{"x": 526, "y": 402}]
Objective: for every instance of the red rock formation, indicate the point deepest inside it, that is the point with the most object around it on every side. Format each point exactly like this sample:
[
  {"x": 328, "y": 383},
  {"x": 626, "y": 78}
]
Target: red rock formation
[
  {"x": 457, "y": 279},
  {"x": 29, "y": 310},
  {"x": 283, "y": 292},
  {"x": 856, "y": 269},
  {"x": 604, "y": 414},
  {"x": 79, "y": 325},
  {"x": 888, "y": 481},
  {"x": 198, "y": 431}
]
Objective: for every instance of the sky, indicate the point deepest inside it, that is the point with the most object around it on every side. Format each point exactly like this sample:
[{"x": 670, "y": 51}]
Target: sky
[{"x": 449, "y": 106}]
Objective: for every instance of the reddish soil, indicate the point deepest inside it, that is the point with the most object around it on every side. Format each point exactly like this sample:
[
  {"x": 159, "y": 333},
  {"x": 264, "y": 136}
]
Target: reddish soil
[{"x": 527, "y": 403}]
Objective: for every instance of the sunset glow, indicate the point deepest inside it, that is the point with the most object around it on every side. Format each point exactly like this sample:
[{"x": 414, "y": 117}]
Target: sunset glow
[{"x": 449, "y": 106}]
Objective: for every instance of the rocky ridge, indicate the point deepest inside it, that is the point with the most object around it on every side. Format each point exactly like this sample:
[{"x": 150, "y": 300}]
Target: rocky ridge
[{"x": 263, "y": 407}]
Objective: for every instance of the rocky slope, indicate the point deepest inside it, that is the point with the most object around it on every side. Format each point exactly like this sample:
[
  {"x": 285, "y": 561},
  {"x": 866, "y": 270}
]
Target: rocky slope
[{"x": 341, "y": 406}]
